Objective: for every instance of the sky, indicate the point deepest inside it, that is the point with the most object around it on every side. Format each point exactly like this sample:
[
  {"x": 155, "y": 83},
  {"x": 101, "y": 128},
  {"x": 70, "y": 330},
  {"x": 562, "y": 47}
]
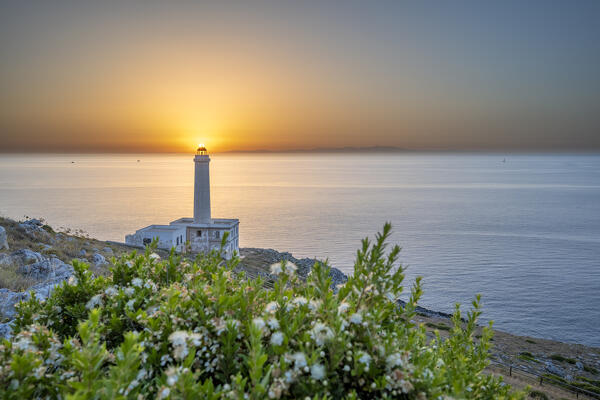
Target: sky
[{"x": 150, "y": 76}]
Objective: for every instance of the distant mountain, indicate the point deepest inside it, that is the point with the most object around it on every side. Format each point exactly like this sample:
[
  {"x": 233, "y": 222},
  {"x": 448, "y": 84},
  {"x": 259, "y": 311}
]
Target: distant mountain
[{"x": 347, "y": 149}]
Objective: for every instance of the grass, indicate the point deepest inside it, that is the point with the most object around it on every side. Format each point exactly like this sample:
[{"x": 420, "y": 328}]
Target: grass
[
  {"x": 590, "y": 369},
  {"x": 11, "y": 279},
  {"x": 527, "y": 356},
  {"x": 558, "y": 357},
  {"x": 440, "y": 326},
  {"x": 580, "y": 382},
  {"x": 537, "y": 394}
]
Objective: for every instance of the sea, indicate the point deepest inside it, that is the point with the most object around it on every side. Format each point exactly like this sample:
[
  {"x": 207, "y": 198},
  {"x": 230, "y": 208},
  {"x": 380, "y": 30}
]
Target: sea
[{"x": 523, "y": 230}]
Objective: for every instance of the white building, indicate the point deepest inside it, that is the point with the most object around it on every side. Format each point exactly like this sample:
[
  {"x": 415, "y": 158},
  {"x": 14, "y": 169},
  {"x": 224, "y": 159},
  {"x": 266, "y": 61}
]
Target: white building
[{"x": 203, "y": 233}]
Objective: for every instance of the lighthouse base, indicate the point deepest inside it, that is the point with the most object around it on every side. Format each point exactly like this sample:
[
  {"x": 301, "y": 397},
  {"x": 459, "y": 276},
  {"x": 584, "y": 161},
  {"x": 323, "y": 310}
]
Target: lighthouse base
[{"x": 185, "y": 235}]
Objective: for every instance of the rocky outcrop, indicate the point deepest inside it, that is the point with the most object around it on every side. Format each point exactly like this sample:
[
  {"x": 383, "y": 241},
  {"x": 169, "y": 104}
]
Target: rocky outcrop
[
  {"x": 3, "y": 239},
  {"x": 99, "y": 259},
  {"x": 8, "y": 300},
  {"x": 48, "y": 271},
  {"x": 25, "y": 256},
  {"x": 34, "y": 228},
  {"x": 6, "y": 329},
  {"x": 259, "y": 261},
  {"x": 553, "y": 369}
]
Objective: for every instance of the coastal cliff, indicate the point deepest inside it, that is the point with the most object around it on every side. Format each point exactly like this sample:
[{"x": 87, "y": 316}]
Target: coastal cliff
[{"x": 34, "y": 259}]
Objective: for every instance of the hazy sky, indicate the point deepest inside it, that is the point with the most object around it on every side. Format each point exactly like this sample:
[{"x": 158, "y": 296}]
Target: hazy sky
[{"x": 164, "y": 76}]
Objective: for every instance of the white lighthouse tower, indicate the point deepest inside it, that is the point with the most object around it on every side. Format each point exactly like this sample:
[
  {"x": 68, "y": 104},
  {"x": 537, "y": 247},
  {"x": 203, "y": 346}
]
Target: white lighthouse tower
[
  {"x": 202, "y": 186},
  {"x": 201, "y": 233}
]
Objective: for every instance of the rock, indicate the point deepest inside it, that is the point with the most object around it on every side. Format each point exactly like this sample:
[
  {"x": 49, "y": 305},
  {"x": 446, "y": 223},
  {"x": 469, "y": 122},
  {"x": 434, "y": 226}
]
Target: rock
[
  {"x": 82, "y": 252},
  {"x": 35, "y": 229},
  {"x": 263, "y": 258},
  {"x": 579, "y": 365},
  {"x": 553, "y": 369},
  {"x": 8, "y": 300},
  {"x": 6, "y": 330},
  {"x": 107, "y": 250},
  {"x": 3, "y": 241},
  {"x": 98, "y": 259},
  {"x": 26, "y": 256},
  {"x": 20, "y": 257},
  {"x": 49, "y": 268},
  {"x": 5, "y": 259}
]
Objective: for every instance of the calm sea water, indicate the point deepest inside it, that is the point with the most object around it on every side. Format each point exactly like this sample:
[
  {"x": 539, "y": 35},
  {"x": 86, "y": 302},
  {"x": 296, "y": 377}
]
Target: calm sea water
[{"x": 524, "y": 233}]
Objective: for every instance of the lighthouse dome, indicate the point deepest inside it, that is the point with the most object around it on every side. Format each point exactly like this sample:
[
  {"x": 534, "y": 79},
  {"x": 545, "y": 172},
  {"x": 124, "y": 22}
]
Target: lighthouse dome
[{"x": 201, "y": 150}]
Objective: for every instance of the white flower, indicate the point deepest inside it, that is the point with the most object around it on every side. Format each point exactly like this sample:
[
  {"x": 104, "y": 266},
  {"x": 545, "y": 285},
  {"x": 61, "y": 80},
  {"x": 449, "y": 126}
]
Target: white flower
[
  {"x": 277, "y": 338},
  {"x": 273, "y": 323},
  {"x": 94, "y": 301},
  {"x": 271, "y": 307},
  {"x": 137, "y": 282},
  {"x": 154, "y": 256},
  {"x": 24, "y": 342},
  {"x": 276, "y": 269},
  {"x": 179, "y": 341},
  {"x": 314, "y": 305},
  {"x": 129, "y": 264},
  {"x": 300, "y": 301},
  {"x": 164, "y": 393},
  {"x": 321, "y": 333},
  {"x": 356, "y": 318},
  {"x": 342, "y": 308},
  {"x": 171, "y": 380},
  {"x": 178, "y": 338},
  {"x": 195, "y": 338},
  {"x": 111, "y": 291},
  {"x": 130, "y": 304},
  {"x": 129, "y": 291},
  {"x": 365, "y": 359},
  {"x": 299, "y": 360},
  {"x": 72, "y": 281},
  {"x": 317, "y": 371},
  {"x": 396, "y": 360},
  {"x": 290, "y": 267},
  {"x": 289, "y": 376},
  {"x": 406, "y": 386},
  {"x": 259, "y": 323}
]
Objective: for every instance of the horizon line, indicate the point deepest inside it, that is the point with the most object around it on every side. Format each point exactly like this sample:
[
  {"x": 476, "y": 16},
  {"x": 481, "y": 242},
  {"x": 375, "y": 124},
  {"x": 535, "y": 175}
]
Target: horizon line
[{"x": 323, "y": 150}]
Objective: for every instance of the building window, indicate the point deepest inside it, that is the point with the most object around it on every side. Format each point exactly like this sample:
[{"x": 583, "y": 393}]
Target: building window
[
  {"x": 217, "y": 234},
  {"x": 199, "y": 233},
  {"x": 147, "y": 240}
]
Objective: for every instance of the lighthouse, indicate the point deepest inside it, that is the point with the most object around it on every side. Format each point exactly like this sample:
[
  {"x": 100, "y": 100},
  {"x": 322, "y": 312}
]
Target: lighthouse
[
  {"x": 200, "y": 234},
  {"x": 202, "y": 186}
]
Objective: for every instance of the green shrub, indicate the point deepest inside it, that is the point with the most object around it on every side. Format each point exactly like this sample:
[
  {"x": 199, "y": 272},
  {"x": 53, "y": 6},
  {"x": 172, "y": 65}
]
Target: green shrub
[{"x": 177, "y": 329}]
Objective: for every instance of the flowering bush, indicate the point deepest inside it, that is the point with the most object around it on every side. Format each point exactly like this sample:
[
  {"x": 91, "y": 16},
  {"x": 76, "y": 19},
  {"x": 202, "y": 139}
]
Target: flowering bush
[{"x": 179, "y": 329}]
